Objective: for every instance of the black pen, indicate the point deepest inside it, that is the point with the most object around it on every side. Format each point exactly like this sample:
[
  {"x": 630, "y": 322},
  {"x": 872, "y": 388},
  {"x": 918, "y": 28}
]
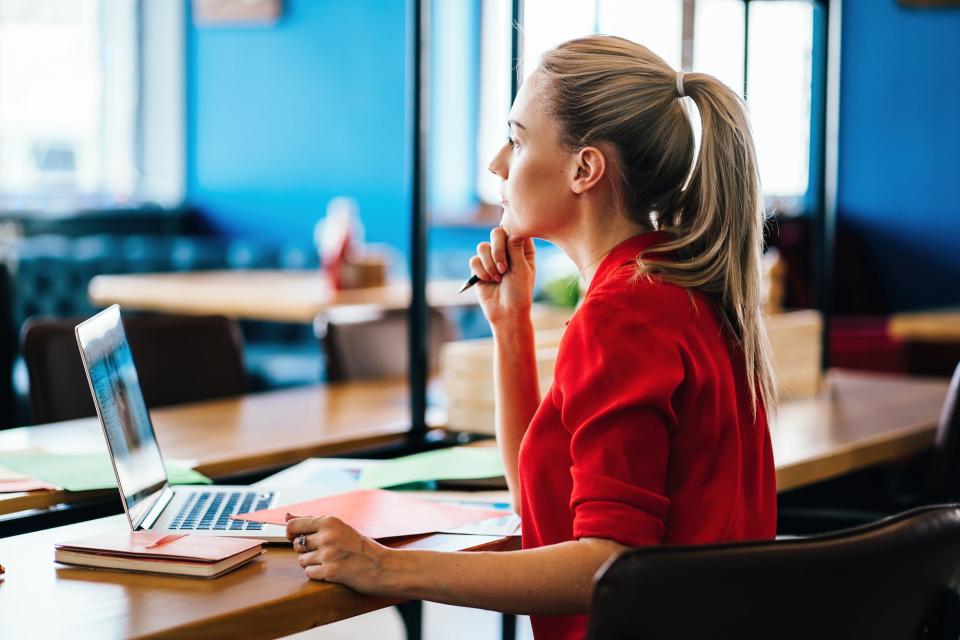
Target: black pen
[{"x": 474, "y": 279}]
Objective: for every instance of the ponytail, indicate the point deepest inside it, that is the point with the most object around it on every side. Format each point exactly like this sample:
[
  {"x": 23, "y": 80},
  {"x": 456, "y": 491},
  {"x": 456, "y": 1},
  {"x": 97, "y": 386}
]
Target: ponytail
[
  {"x": 718, "y": 226},
  {"x": 605, "y": 89}
]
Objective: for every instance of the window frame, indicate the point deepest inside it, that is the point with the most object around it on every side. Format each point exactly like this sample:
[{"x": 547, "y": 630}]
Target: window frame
[{"x": 801, "y": 204}]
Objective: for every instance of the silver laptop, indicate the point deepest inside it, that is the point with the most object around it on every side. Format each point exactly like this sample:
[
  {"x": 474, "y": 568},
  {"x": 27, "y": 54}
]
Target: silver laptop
[{"x": 148, "y": 499}]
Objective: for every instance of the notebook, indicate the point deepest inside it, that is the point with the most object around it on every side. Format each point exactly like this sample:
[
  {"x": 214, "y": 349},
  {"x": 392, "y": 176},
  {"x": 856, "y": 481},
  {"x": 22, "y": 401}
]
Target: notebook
[
  {"x": 160, "y": 552},
  {"x": 380, "y": 514}
]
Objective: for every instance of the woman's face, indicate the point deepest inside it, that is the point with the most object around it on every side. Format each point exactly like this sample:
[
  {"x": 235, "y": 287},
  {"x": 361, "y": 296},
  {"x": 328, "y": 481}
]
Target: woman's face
[{"x": 535, "y": 169}]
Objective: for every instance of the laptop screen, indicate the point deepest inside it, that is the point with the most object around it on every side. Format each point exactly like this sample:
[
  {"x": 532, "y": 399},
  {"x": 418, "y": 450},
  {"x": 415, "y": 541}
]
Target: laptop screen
[{"x": 123, "y": 414}]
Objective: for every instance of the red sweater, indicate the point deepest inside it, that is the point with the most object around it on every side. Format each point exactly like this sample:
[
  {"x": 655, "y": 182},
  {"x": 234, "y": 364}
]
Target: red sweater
[{"x": 647, "y": 435}]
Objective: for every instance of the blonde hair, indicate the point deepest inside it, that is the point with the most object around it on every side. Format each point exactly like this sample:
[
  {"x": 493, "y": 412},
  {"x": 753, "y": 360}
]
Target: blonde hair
[{"x": 612, "y": 92}]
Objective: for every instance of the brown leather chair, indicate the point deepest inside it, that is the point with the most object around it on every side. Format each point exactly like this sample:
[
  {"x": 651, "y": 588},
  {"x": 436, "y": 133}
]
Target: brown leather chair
[
  {"x": 895, "y": 579},
  {"x": 363, "y": 343},
  {"x": 179, "y": 359}
]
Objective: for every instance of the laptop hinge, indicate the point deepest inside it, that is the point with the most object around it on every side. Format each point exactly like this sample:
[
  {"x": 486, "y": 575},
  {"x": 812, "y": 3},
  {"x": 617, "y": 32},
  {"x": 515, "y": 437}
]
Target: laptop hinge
[{"x": 166, "y": 495}]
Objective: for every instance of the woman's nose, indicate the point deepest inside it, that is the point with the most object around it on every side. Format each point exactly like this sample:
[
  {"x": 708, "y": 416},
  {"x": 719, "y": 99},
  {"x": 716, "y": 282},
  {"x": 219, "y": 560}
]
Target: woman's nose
[{"x": 498, "y": 166}]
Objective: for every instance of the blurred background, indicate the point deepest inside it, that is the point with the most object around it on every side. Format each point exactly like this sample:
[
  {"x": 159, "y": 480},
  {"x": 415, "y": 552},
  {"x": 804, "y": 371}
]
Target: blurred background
[{"x": 164, "y": 136}]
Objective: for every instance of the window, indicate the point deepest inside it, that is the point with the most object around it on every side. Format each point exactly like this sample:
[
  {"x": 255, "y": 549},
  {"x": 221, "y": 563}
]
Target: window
[
  {"x": 779, "y": 78},
  {"x": 74, "y": 130},
  {"x": 494, "y": 93},
  {"x": 778, "y": 72}
]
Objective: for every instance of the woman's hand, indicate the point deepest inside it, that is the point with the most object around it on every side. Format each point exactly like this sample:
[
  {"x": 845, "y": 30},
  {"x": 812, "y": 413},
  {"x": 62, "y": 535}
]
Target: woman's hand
[
  {"x": 506, "y": 269},
  {"x": 333, "y": 551}
]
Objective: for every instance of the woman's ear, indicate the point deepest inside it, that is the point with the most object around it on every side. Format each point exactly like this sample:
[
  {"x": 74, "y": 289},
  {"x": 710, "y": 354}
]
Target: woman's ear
[{"x": 590, "y": 166}]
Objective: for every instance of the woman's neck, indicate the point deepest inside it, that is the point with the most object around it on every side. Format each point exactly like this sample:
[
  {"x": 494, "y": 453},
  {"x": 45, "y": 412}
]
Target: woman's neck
[{"x": 588, "y": 246}]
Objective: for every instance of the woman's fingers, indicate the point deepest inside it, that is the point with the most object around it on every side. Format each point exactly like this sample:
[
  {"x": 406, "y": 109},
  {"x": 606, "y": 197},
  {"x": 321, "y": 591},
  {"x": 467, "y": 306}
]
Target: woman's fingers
[
  {"x": 308, "y": 558},
  {"x": 477, "y": 268},
  {"x": 339, "y": 553},
  {"x": 314, "y": 572},
  {"x": 325, "y": 555},
  {"x": 494, "y": 258},
  {"x": 521, "y": 250},
  {"x": 298, "y": 526},
  {"x": 529, "y": 250},
  {"x": 306, "y": 526},
  {"x": 485, "y": 253},
  {"x": 498, "y": 249}
]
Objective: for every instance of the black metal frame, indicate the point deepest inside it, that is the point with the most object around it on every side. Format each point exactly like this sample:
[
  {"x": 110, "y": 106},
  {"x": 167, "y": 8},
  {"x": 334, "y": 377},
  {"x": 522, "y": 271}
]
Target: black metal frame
[
  {"x": 419, "y": 316},
  {"x": 419, "y": 313},
  {"x": 824, "y": 174},
  {"x": 826, "y": 209}
]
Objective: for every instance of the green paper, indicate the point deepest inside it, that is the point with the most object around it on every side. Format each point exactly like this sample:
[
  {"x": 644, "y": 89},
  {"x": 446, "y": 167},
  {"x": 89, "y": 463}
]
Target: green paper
[
  {"x": 456, "y": 463},
  {"x": 177, "y": 474},
  {"x": 82, "y": 471}
]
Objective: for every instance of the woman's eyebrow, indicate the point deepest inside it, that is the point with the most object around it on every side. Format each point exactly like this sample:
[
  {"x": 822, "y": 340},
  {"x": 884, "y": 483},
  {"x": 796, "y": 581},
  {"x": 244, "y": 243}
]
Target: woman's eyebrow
[{"x": 514, "y": 123}]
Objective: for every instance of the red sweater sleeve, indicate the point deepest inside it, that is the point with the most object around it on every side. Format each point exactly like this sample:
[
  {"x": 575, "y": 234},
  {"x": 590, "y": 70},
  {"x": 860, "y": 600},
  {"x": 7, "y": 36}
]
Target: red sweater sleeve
[{"x": 619, "y": 374}]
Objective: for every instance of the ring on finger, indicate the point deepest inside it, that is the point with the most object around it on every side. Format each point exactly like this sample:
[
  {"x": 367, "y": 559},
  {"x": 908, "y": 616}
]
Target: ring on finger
[{"x": 302, "y": 543}]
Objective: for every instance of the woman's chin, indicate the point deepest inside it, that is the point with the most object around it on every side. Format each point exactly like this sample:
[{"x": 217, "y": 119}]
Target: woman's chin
[{"x": 512, "y": 226}]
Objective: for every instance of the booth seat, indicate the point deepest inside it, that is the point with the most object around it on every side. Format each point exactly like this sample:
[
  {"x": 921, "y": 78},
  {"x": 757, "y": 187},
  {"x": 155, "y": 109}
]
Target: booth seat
[{"x": 48, "y": 275}]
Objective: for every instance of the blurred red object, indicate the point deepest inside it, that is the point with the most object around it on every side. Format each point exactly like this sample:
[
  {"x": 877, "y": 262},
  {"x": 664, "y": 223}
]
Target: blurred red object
[{"x": 863, "y": 342}]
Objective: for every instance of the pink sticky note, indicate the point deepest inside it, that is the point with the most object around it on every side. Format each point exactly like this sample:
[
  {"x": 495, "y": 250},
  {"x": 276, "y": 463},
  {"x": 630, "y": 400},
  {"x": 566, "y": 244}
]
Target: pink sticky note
[
  {"x": 379, "y": 514},
  {"x": 27, "y": 484}
]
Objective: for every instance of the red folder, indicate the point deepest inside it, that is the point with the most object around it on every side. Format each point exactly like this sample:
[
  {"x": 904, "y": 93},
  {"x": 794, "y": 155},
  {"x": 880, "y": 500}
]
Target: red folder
[{"x": 379, "y": 514}]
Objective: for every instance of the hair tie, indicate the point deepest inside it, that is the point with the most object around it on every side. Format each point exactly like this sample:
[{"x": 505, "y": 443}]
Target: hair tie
[{"x": 680, "y": 84}]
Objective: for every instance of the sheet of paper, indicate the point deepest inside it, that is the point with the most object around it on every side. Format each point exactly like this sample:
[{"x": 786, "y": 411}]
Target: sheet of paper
[
  {"x": 379, "y": 514},
  {"x": 82, "y": 471},
  {"x": 454, "y": 463},
  {"x": 502, "y": 526},
  {"x": 329, "y": 475},
  {"x": 27, "y": 484},
  {"x": 7, "y": 473},
  {"x": 498, "y": 499}
]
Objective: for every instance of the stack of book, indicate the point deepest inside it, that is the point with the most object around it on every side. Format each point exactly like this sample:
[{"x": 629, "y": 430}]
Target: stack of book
[{"x": 200, "y": 556}]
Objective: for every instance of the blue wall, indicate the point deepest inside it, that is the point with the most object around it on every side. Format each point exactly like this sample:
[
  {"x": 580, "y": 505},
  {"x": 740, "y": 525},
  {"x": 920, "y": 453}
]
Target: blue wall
[
  {"x": 282, "y": 118},
  {"x": 899, "y": 183}
]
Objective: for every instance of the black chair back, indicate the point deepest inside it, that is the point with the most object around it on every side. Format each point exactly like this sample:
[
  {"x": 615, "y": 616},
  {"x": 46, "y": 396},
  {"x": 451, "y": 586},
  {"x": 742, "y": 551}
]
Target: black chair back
[
  {"x": 944, "y": 479},
  {"x": 895, "y": 579},
  {"x": 179, "y": 359}
]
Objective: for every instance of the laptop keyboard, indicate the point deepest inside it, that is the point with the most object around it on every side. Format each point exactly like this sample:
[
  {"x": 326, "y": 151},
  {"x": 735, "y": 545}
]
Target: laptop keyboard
[{"x": 211, "y": 510}]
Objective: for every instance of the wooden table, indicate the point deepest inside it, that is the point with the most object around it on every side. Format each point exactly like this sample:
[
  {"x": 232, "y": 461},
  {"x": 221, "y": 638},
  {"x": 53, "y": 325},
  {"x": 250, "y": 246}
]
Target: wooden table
[
  {"x": 235, "y": 435},
  {"x": 856, "y": 421},
  {"x": 297, "y": 296},
  {"x": 938, "y": 325},
  {"x": 269, "y": 598}
]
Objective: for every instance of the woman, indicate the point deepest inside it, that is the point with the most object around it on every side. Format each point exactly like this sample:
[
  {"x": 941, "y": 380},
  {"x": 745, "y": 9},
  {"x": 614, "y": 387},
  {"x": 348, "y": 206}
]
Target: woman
[{"x": 655, "y": 428}]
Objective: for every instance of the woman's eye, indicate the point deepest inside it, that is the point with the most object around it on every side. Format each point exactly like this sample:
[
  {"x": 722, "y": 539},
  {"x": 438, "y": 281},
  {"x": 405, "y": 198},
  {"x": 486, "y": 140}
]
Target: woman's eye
[{"x": 511, "y": 142}]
